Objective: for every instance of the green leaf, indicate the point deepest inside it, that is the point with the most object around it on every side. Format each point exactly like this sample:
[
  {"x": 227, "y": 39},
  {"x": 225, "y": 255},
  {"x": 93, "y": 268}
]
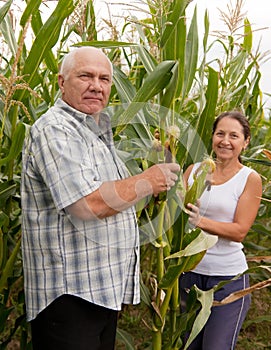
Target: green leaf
[
  {"x": 108, "y": 44},
  {"x": 4, "y": 10},
  {"x": 237, "y": 96},
  {"x": 191, "y": 55},
  {"x": 179, "y": 7},
  {"x": 145, "y": 294},
  {"x": 45, "y": 40},
  {"x": 206, "y": 30},
  {"x": 9, "y": 267},
  {"x": 247, "y": 44},
  {"x": 32, "y": 7},
  {"x": 16, "y": 145},
  {"x": 125, "y": 338},
  {"x": 259, "y": 319},
  {"x": 3, "y": 217},
  {"x": 147, "y": 59},
  {"x": 126, "y": 90},
  {"x": 175, "y": 50},
  {"x": 173, "y": 272},
  {"x": 49, "y": 57},
  {"x": 236, "y": 67},
  {"x": 8, "y": 33},
  {"x": 170, "y": 90},
  {"x": 7, "y": 189},
  {"x": 207, "y": 117},
  {"x": 201, "y": 243},
  {"x": 206, "y": 299},
  {"x": 154, "y": 83},
  {"x": 245, "y": 76},
  {"x": 4, "y": 315}
]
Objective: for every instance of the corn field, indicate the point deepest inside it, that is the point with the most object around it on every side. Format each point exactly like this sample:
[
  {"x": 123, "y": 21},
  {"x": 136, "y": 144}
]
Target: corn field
[{"x": 166, "y": 93}]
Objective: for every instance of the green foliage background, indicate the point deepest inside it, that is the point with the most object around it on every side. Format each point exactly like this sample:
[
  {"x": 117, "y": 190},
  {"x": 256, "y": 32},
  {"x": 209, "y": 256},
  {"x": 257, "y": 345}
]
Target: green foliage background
[{"x": 162, "y": 78}]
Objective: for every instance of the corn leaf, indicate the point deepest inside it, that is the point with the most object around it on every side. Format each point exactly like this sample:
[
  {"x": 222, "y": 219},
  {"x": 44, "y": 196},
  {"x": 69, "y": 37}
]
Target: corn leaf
[
  {"x": 109, "y": 44},
  {"x": 7, "y": 189},
  {"x": 237, "y": 97},
  {"x": 16, "y": 145},
  {"x": 47, "y": 37},
  {"x": 236, "y": 67},
  {"x": 207, "y": 117},
  {"x": 154, "y": 83},
  {"x": 125, "y": 338},
  {"x": 173, "y": 272},
  {"x": 170, "y": 91},
  {"x": 126, "y": 90},
  {"x": 4, "y": 10},
  {"x": 206, "y": 30},
  {"x": 49, "y": 57},
  {"x": 201, "y": 243},
  {"x": 206, "y": 300},
  {"x": 191, "y": 55},
  {"x": 147, "y": 59},
  {"x": 178, "y": 9},
  {"x": 180, "y": 43},
  {"x": 9, "y": 267},
  {"x": 31, "y": 8},
  {"x": 145, "y": 294},
  {"x": 8, "y": 33},
  {"x": 247, "y": 44}
]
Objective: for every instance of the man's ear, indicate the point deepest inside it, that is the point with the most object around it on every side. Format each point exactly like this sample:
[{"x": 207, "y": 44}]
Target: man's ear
[{"x": 61, "y": 82}]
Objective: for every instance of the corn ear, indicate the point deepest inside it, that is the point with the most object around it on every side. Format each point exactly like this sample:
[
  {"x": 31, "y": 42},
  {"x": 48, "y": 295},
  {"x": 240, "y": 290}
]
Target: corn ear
[{"x": 200, "y": 182}]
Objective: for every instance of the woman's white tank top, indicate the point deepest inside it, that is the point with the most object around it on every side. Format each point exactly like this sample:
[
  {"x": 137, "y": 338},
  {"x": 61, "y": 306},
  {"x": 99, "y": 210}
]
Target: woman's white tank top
[{"x": 219, "y": 203}]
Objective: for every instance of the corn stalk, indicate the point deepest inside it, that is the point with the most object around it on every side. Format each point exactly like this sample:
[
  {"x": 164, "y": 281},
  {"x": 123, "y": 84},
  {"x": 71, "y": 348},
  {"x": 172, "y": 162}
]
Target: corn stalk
[{"x": 161, "y": 83}]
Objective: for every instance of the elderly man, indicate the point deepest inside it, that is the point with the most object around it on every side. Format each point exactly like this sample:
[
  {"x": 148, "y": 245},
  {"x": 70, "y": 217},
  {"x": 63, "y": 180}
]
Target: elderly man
[{"x": 80, "y": 236}]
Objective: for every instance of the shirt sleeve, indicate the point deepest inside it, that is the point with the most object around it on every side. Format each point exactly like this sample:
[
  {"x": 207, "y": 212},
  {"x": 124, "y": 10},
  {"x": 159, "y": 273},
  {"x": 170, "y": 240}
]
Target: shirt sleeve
[{"x": 63, "y": 160}]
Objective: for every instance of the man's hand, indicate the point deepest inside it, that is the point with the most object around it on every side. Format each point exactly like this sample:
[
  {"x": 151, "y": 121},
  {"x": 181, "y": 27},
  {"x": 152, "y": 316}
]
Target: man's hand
[
  {"x": 115, "y": 196},
  {"x": 161, "y": 177}
]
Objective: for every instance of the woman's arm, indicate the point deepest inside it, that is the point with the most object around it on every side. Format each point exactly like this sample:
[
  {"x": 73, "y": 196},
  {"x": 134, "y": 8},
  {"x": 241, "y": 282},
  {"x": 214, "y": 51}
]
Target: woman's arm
[{"x": 246, "y": 212}]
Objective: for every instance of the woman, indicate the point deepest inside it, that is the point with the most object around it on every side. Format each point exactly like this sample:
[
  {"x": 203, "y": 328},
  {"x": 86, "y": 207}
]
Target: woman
[{"x": 227, "y": 210}]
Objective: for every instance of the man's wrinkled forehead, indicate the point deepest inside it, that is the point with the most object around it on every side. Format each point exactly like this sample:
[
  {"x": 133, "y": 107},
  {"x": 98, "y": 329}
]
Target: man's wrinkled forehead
[{"x": 82, "y": 55}]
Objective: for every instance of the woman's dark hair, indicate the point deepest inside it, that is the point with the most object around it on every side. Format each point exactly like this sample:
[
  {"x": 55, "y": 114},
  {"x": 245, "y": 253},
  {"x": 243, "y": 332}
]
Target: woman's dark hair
[{"x": 241, "y": 118}]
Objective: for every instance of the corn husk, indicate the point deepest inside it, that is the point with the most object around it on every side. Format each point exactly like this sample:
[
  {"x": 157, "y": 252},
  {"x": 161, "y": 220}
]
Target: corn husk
[{"x": 201, "y": 181}]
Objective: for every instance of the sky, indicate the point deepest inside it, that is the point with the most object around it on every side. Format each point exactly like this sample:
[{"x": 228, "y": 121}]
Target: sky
[{"x": 257, "y": 12}]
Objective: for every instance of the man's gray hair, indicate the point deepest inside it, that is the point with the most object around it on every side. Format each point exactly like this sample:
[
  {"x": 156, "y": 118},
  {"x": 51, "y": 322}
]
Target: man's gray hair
[{"x": 68, "y": 61}]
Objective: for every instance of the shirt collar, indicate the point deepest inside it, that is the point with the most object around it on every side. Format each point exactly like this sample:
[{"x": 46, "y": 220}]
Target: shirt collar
[{"x": 104, "y": 120}]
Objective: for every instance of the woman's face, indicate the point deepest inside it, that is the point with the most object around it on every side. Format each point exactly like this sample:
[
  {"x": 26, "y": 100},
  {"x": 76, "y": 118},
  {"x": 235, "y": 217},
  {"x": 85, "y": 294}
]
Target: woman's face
[{"x": 228, "y": 139}]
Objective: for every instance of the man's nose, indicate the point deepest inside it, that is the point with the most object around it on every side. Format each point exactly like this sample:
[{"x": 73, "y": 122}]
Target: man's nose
[{"x": 94, "y": 84}]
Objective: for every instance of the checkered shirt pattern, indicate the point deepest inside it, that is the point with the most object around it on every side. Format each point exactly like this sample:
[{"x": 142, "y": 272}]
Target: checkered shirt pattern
[{"x": 67, "y": 156}]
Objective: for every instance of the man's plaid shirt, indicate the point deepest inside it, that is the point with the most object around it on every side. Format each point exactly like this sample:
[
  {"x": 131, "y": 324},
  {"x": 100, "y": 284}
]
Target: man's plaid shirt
[{"x": 66, "y": 157}]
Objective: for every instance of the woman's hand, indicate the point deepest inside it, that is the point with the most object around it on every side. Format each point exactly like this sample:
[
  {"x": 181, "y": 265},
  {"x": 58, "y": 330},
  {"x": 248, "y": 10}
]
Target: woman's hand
[{"x": 194, "y": 215}]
